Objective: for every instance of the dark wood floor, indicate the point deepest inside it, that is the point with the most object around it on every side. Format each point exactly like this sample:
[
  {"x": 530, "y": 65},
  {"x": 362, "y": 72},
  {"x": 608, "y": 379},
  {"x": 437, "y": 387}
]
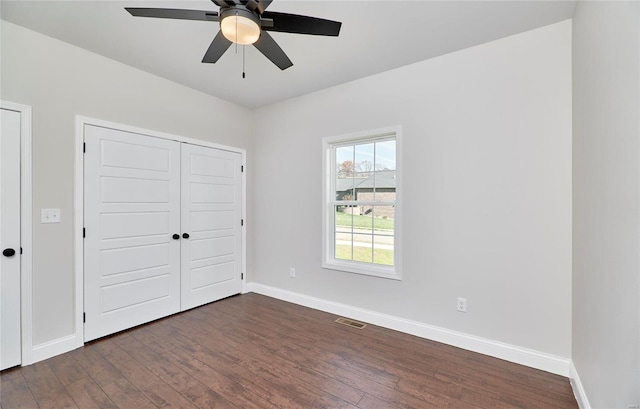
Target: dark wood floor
[{"x": 252, "y": 351}]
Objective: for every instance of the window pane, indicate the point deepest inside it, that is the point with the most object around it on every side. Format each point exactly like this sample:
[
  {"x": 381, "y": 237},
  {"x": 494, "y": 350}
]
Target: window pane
[
  {"x": 350, "y": 217},
  {"x": 344, "y": 173},
  {"x": 383, "y": 220},
  {"x": 364, "y": 157},
  {"x": 385, "y": 185},
  {"x": 383, "y": 247},
  {"x": 344, "y": 218},
  {"x": 363, "y": 248},
  {"x": 385, "y": 171},
  {"x": 344, "y": 246},
  {"x": 363, "y": 222},
  {"x": 385, "y": 155}
]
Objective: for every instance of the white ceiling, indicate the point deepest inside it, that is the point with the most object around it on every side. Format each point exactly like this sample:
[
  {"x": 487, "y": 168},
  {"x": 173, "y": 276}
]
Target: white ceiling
[{"x": 376, "y": 36}]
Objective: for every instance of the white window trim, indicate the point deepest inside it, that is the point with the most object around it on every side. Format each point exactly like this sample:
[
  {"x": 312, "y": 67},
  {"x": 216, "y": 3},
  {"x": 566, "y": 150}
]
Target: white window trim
[{"x": 328, "y": 185}]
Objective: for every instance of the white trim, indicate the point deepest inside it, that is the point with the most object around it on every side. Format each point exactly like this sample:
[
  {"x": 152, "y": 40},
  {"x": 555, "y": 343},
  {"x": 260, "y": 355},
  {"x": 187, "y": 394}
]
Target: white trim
[
  {"x": 157, "y": 134},
  {"x": 328, "y": 260},
  {"x": 55, "y": 347},
  {"x": 78, "y": 224},
  {"x": 243, "y": 178},
  {"x": 81, "y": 121},
  {"x": 578, "y": 389},
  {"x": 524, "y": 356},
  {"x": 26, "y": 233}
]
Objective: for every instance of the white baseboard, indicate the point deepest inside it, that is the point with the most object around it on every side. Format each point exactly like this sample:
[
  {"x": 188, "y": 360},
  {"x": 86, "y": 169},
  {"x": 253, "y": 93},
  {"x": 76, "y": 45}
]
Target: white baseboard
[
  {"x": 578, "y": 389},
  {"x": 52, "y": 348},
  {"x": 528, "y": 357}
]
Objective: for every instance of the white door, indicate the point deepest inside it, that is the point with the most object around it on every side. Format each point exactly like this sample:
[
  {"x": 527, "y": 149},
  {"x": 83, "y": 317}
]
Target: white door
[
  {"x": 131, "y": 214},
  {"x": 10, "y": 239},
  {"x": 211, "y": 217}
]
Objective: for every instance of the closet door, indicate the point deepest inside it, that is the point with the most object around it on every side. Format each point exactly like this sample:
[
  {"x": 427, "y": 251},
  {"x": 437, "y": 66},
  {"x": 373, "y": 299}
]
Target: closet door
[
  {"x": 211, "y": 217},
  {"x": 132, "y": 211},
  {"x": 10, "y": 239}
]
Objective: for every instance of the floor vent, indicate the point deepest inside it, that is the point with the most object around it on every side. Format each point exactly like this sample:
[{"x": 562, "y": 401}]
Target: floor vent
[{"x": 351, "y": 323}]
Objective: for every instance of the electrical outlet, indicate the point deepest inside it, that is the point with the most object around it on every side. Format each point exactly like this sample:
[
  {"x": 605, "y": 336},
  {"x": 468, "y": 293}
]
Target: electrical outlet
[
  {"x": 292, "y": 272},
  {"x": 462, "y": 304}
]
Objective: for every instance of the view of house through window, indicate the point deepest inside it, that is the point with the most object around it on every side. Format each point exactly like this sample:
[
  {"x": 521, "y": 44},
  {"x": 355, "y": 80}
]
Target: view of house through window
[{"x": 364, "y": 179}]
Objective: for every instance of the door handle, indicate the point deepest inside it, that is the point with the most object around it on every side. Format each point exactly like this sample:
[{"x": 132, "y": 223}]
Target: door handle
[
  {"x": 185, "y": 235},
  {"x": 8, "y": 252},
  {"x": 176, "y": 236}
]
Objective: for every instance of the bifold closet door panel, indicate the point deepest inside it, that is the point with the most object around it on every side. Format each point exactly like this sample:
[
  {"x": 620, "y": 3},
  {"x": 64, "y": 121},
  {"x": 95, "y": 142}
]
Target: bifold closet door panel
[
  {"x": 211, "y": 217},
  {"x": 10, "y": 328},
  {"x": 131, "y": 212}
]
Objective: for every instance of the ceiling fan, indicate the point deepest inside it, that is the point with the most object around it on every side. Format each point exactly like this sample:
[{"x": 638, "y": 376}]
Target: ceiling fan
[{"x": 247, "y": 22}]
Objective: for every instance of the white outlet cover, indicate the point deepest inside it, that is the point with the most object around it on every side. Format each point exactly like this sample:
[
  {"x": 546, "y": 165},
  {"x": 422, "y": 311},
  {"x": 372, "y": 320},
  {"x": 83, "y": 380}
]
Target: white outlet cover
[
  {"x": 50, "y": 216},
  {"x": 462, "y": 304}
]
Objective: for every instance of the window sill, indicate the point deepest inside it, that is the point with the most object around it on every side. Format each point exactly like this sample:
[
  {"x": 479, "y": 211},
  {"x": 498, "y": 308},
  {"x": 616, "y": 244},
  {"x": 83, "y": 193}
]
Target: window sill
[{"x": 363, "y": 268}]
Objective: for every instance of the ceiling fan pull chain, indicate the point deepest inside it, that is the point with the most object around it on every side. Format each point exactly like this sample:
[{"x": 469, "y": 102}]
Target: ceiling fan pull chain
[{"x": 243, "y": 48}]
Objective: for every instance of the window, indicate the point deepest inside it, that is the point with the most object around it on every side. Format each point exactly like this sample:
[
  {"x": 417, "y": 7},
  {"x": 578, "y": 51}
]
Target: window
[{"x": 361, "y": 216}]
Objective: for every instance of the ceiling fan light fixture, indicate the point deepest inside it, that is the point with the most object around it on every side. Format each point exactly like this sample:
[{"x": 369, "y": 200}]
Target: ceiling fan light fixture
[{"x": 240, "y": 26}]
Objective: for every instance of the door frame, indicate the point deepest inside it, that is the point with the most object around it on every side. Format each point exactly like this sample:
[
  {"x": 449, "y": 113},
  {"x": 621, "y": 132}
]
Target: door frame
[
  {"x": 26, "y": 305},
  {"x": 81, "y": 121}
]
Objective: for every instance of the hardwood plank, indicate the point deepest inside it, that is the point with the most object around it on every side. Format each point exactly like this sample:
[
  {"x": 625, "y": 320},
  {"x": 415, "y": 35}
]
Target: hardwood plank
[
  {"x": 46, "y": 388},
  {"x": 94, "y": 364},
  {"x": 199, "y": 394},
  {"x": 87, "y": 394},
  {"x": 67, "y": 370},
  {"x": 125, "y": 395},
  {"x": 14, "y": 391},
  {"x": 371, "y": 402},
  {"x": 158, "y": 392},
  {"x": 255, "y": 352},
  {"x": 211, "y": 376}
]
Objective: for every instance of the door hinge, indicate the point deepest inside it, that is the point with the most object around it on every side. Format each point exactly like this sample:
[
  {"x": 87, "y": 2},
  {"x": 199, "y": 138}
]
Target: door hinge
[
  {"x": 84, "y": 232},
  {"x": 242, "y": 276},
  {"x": 242, "y": 168},
  {"x": 241, "y": 222},
  {"x": 84, "y": 147},
  {"x": 20, "y": 250},
  {"x": 84, "y": 317}
]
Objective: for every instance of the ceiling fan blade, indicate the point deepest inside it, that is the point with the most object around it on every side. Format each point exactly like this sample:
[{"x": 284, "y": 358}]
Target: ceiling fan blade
[
  {"x": 293, "y": 23},
  {"x": 218, "y": 46},
  {"x": 223, "y": 3},
  {"x": 262, "y": 5},
  {"x": 268, "y": 46},
  {"x": 180, "y": 14}
]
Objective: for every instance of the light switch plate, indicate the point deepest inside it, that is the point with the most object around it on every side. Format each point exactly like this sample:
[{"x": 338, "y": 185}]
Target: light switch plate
[{"x": 50, "y": 216}]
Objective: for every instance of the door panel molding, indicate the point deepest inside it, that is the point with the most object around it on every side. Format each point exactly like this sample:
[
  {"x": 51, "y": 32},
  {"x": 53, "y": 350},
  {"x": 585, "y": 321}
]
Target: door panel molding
[
  {"x": 26, "y": 301},
  {"x": 81, "y": 123}
]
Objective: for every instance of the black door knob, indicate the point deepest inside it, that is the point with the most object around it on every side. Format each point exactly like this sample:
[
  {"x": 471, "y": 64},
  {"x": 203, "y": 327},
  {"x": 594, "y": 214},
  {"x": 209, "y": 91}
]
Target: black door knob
[
  {"x": 8, "y": 252},
  {"x": 185, "y": 235},
  {"x": 176, "y": 236}
]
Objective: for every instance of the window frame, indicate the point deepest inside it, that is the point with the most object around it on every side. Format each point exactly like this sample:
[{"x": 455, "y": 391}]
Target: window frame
[{"x": 329, "y": 261}]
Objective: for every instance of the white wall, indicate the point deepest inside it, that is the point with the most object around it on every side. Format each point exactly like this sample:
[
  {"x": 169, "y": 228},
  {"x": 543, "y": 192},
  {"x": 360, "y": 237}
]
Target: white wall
[
  {"x": 487, "y": 200},
  {"x": 60, "y": 81},
  {"x": 606, "y": 203}
]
